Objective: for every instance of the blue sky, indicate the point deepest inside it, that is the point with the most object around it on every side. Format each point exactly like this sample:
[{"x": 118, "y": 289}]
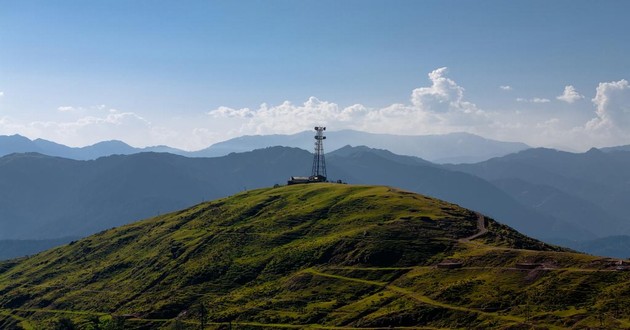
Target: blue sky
[{"x": 191, "y": 73}]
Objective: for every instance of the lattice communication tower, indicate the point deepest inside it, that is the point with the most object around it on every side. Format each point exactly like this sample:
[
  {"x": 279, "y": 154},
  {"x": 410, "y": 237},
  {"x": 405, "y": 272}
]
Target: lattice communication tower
[{"x": 319, "y": 162}]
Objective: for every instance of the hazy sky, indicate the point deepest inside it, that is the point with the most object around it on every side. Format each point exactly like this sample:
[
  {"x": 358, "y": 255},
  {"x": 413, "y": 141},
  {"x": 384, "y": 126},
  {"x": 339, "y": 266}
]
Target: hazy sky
[{"x": 191, "y": 73}]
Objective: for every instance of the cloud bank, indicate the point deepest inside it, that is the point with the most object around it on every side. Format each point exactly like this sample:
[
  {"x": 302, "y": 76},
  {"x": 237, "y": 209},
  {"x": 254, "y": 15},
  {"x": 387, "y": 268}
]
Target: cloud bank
[
  {"x": 438, "y": 108},
  {"x": 89, "y": 125},
  {"x": 441, "y": 106}
]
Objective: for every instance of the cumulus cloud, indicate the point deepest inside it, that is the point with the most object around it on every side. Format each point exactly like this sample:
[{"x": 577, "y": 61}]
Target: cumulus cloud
[
  {"x": 288, "y": 117},
  {"x": 440, "y": 106},
  {"x": 612, "y": 102},
  {"x": 443, "y": 96},
  {"x": 533, "y": 100},
  {"x": 1, "y": 93},
  {"x": 505, "y": 87},
  {"x": 437, "y": 108},
  {"x": 570, "y": 95}
]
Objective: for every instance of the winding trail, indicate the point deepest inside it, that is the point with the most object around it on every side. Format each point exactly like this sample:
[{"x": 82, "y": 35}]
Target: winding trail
[
  {"x": 419, "y": 297},
  {"x": 481, "y": 226}
]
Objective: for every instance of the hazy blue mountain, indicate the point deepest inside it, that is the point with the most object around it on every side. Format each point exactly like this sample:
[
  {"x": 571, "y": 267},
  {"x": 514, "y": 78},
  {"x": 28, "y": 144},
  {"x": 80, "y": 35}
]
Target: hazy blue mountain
[
  {"x": 552, "y": 195},
  {"x": 561, "y": 205},
  {"x": 350, "y": 151},
  {"x": 49, "y": 197},
  {"x": 19, "y": 144},
  {"x": 447, "y": 148},
  {"x": 303, "y": 140},
  {"x": 612, "y": 246},
  {"x": 587, "y": 189},
  {"x": 365, "y": 166},
  {"x": 16, "y": 143},
  {"x": 617, "y": 148},
  {"x": 18, "y": 248}
]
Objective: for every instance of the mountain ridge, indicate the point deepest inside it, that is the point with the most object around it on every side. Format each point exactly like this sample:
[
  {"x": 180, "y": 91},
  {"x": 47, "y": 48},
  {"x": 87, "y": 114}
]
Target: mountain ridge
[
  {"x": 111, "y": 190},
  {"x": 46, "y": 197},
  {"x": 595, "y": 181},
  {"x": 451, "y": 147}
]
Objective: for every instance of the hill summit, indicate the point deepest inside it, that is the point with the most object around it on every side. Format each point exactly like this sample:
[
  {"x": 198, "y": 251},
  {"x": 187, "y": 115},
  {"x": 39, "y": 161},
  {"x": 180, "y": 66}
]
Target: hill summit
[{"x": 318, "y": 255}]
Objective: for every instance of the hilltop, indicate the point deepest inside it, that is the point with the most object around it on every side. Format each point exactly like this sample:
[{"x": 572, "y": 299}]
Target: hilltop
[{"x": 321, "y": 255}]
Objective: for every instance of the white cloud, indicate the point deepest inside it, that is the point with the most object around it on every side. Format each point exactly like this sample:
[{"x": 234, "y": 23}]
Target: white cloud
[
  {"x": 612, "y": 101},
  {"x": 437, "y": 108},
  {"x": 505, "y": 87},
  {"x": 1, "y": 93},
  {"x": 570, "y": 95},
  {"x": 533, "y": 100},
  {"x": 443, "y": 96},
  {"x": 101, "y": 124},
  {"x": 92, "y": 108},
  {"x": 441, "y": 106}
]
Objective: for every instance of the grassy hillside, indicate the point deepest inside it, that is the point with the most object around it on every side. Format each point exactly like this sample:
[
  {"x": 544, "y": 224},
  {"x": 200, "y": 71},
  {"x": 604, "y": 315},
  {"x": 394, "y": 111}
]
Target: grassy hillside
[{"x": 325, "y": 256}]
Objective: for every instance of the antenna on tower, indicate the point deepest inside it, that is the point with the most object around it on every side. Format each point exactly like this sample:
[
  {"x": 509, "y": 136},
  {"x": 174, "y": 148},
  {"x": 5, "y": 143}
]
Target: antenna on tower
[
  {"x": 319, "y": 161},
  {"x": 318, "y": 174}
]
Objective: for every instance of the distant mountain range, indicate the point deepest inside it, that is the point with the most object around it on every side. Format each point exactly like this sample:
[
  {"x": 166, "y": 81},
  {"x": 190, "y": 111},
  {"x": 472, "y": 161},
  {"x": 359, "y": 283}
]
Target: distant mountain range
[
  {"x": 19, "y": 144},
  {"x": 448, "y": 148},
  {"x": 17, "y": 248},
  {"x": 49, "y": 197},
  {"x": 612, "y": 246},
  {"x": 551, "y": 195},
  {"x": 591, "y": 190},
  {"x": 617, "y": 148},
  {"x": 54, "y": 197}
]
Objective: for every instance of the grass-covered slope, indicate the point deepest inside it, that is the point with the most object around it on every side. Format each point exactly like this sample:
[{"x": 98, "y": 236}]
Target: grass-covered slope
[{"x": 321, "y": 255}]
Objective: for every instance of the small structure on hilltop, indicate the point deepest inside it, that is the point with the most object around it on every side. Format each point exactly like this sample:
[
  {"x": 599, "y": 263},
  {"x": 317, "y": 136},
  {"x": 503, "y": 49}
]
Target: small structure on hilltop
[{"x": 318, "y": 173}]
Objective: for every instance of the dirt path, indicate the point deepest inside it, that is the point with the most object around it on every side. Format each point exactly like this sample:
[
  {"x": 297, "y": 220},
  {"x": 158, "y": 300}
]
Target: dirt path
[
  {"x": 418, "y": 297},
  {"x": 481, "y": 226}
]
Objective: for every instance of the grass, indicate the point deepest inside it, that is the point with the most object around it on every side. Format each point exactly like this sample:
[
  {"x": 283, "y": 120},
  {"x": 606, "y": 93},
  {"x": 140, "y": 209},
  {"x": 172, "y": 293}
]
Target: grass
[{"x": 322, "y": 256}]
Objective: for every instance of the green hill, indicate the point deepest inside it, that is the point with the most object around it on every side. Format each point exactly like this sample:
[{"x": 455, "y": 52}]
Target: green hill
[{"x": 326, "y": 256}]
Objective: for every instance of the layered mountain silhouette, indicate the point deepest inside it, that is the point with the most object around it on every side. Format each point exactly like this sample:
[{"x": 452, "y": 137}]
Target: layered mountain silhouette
[
  {"x": 446, "y": 148},
  {"x": 555, "y": 196},
  {"x": 50, "y": 197},
  {"x": 616, "y": 148},
  {"x": 20, "y": 144},
  {"x": 453, "y": 148},
  {"x": 588, "y": 189},
  {"x": 313, "y": 256}
]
